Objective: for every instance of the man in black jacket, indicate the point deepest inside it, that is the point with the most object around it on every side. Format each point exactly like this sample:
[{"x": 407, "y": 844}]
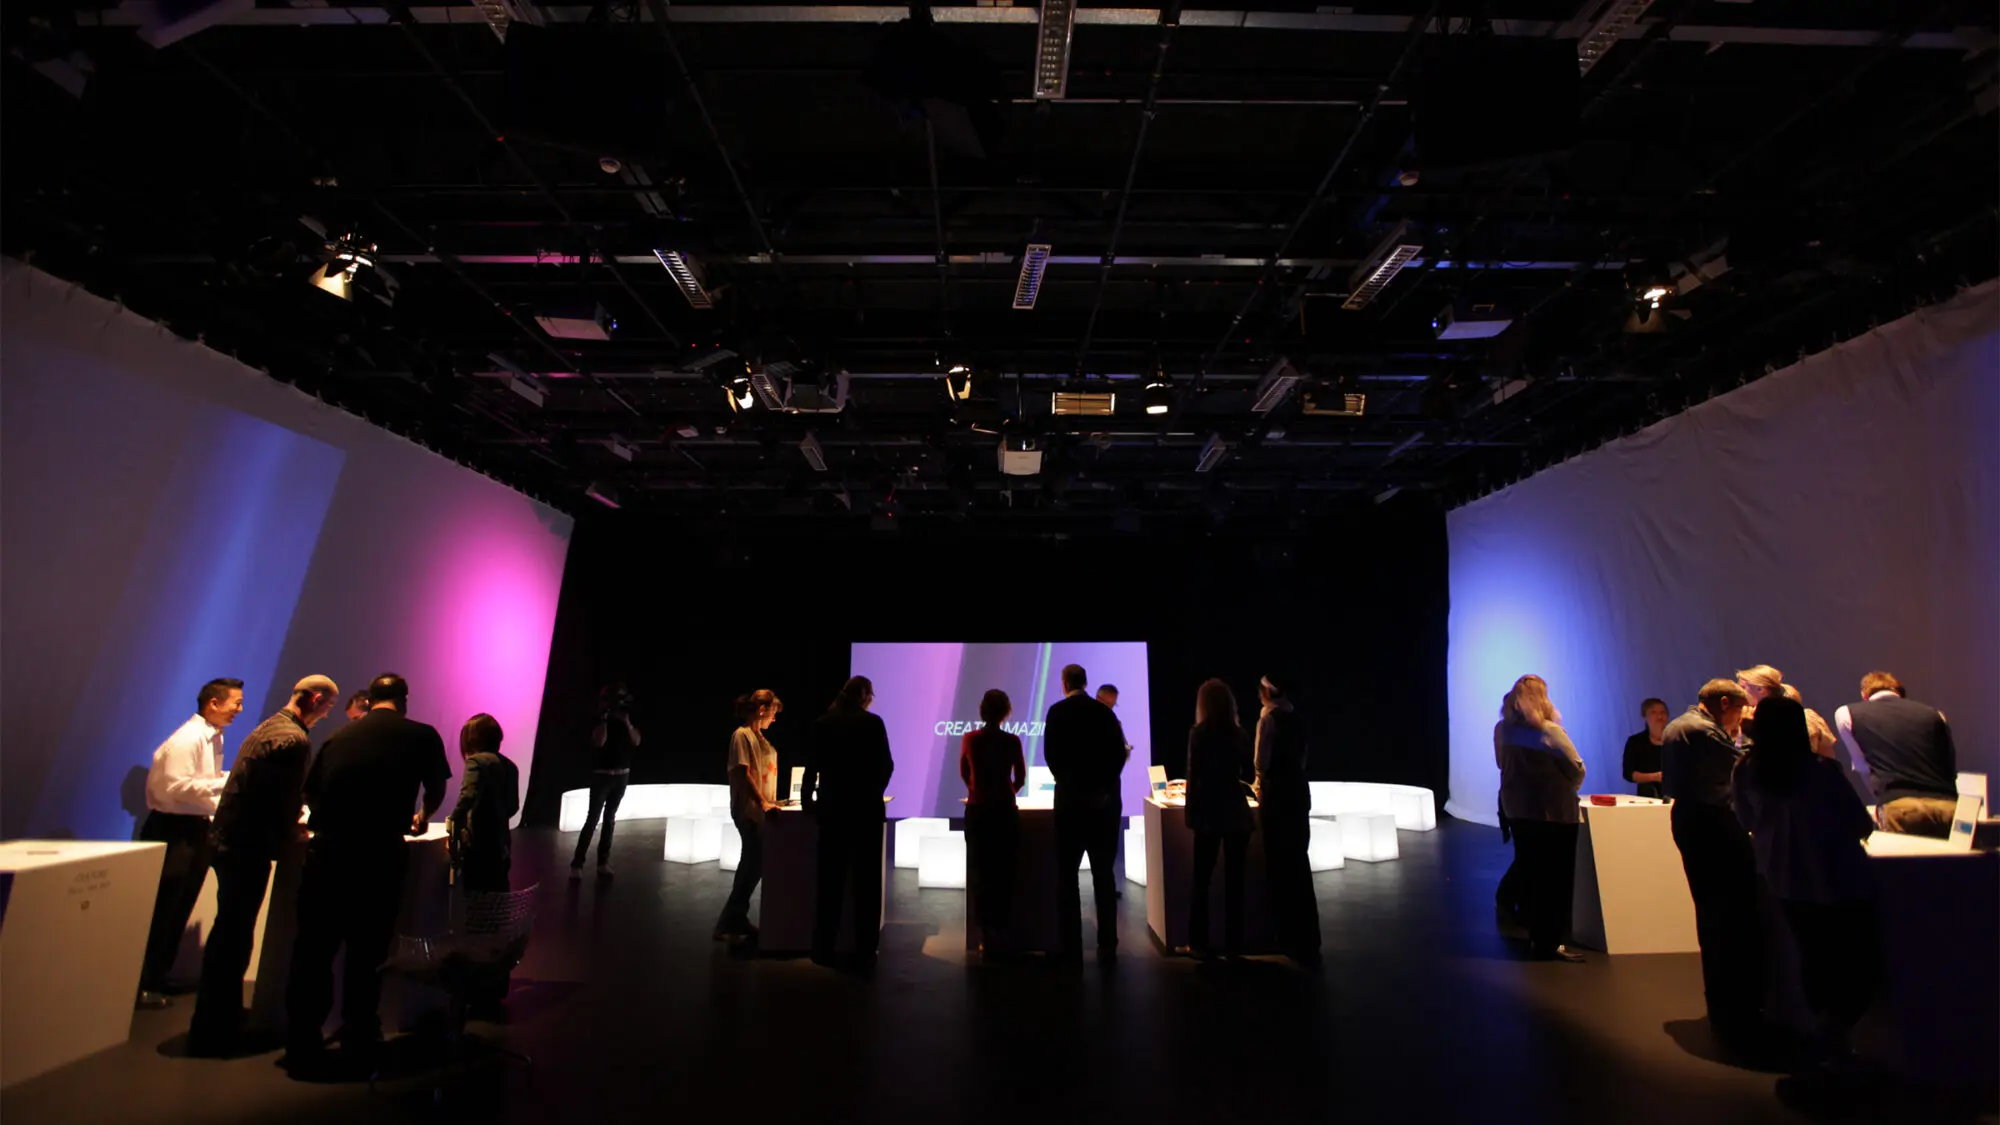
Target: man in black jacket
[
  {"x": 1084, "y": 745},
  {"x": 256, "y": 823},
  {"x": 847, "y": 770},
  {"x": 361, "y": 791}
]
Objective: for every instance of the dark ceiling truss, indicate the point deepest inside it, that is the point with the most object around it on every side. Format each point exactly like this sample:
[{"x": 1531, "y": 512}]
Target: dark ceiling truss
[{"x": 1209, "y": 182}]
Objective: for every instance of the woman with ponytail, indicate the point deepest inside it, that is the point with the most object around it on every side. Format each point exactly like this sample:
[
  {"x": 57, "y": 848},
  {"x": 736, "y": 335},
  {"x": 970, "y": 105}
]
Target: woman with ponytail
[{"x": 753, "y": 791}]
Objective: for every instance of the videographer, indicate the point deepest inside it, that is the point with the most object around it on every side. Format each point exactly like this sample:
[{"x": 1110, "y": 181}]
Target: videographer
[{"x": 612, "y": 740}]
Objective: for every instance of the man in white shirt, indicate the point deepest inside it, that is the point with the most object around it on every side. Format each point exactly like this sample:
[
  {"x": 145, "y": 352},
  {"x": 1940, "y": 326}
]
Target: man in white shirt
[{"x": 182, "y": 789}]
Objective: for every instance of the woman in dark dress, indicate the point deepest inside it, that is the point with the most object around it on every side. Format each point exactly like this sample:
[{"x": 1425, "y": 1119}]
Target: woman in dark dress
[
  {"x": 1218, "y": 813},
  {"x": 993, "y": 768}
]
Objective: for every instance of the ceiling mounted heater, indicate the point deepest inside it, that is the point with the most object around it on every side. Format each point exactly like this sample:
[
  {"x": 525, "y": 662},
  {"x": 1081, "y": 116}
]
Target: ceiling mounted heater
[
  {"x": 1033, "y": 264},
  {"x": 1052, "y": 48},
  {"x": 687, "y": 276}
]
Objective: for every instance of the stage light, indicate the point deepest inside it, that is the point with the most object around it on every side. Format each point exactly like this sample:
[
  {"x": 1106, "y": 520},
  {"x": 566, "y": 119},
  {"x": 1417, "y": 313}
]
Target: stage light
[
  {"x": 1020, "y": 455},
  {"x": 1052, "y": 48},
  {"x": 1159, "y": 394},
  {"x": 1034, "y": 264},
  {"x": 603, "y": 493},
  {"x": 1654, "y": 294},
  {"x": 1090, "y": 404},
  {"x": 346, "y": 257},
  {"x": 1276, "y": 387},
  {"x": 1381, "y": 267},
  {"x": 1212, "y": 453},
  {"x": 815, "y": 456},
  {"x": 736, "y": 391},
  {"x": 1617, "y": 17},
  {"x": 687, "y": 275},
  {"x": 958, "y": 384}
]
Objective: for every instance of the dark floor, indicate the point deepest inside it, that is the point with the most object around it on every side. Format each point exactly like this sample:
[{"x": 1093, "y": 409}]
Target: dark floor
[{"x": 1422, "y": 1014}]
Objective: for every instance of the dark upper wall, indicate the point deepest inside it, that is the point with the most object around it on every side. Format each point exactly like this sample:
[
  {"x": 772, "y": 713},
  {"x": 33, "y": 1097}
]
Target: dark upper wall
[{"x": 692, "y": 619}]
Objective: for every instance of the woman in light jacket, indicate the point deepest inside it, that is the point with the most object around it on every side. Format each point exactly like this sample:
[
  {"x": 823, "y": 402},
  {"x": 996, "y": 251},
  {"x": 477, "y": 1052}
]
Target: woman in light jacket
[{"x": 1540, "y": 776}]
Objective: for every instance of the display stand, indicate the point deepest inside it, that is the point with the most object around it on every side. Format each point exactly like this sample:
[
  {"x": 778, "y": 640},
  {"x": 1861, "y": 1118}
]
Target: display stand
[
  {"x": 1940, "y": 927},
  {"x": 791, "y": 885},
  {"x": 1170, "y": 884},
  {"x": 1032, "y": 929},
  {"x": 1631, "y": 893},
  {"x": 73, "y": 921}
]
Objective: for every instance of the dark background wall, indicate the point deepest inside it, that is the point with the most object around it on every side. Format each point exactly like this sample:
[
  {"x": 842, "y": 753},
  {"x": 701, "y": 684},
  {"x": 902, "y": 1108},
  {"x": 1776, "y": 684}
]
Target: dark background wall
[{"x": 694, "y": 617}]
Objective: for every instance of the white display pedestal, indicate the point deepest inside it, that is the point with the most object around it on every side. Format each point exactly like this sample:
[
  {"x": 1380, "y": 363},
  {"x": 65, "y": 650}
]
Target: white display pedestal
[
  {"x": 73, "y": 921},
  {"x": 1033, "y": 925},
  {"x": 187, "y": 962},
  {"x": 1631, "y": 893},
  {"x": 425, "y": 912},
  {"x": 1170, "y": 884},
  {"x": 791, "y": 885}
]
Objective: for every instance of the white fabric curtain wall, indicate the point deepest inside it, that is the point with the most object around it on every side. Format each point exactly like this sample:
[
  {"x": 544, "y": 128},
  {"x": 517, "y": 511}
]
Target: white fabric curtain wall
[{"x": 1838, "y": 516}]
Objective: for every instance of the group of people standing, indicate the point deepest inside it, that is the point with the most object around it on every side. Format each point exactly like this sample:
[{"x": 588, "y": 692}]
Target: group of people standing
[
  {"x": 343, "y": 813},
  {"x": 1761, "y": 804},
  {"x": 849, "y": 765}
]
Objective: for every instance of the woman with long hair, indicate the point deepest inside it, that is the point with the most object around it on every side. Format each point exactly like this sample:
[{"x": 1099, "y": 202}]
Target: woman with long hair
[
  {"x": 993, "y": 768},
  {"x": 753, "y": 792},
  {"x": 1218, "y": 812},
  {"x": 848, "y": 767},
  {"x": 1807, "y": 828},
  {"x": 1540, "y": 776}
]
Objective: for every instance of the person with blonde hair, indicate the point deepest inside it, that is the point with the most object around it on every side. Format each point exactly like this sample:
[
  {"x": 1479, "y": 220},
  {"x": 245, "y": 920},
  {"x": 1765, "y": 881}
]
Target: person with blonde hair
[
  {"x": 753, "y": 792},
  {"x": 1817, "y": 731},
  {"x": 1540, "y": 776},
  {"x": 1219, "y": 767}
]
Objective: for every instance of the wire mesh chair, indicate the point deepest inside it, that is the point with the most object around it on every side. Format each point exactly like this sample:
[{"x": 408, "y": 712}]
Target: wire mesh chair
[{"x": 487, "y": 938}]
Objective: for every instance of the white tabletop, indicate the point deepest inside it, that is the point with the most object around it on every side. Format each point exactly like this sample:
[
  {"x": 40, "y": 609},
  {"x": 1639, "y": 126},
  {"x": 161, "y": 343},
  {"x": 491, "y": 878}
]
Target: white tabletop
[{"x": 28, "y": 855}]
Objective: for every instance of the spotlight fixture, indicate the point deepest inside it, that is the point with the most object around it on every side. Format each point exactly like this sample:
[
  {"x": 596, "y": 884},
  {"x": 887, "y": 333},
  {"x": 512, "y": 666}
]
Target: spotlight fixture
[
  {"x": 1052, "y": 48},
  {"x": 814, "y": 454},
  {"x": 687, "y": 275},
  {"x": 1614, "y": 19},
  {"x": 1034, "y": 263},
  {"x": 1159, "y": 393},
  {"x": 1654, "y": 294},
  {"x": 736, "y": 390},
  {"x": 1381, "y": 267},
  {"x": 1086, "y": 404},
  {"x": 958, "y": 383},
  {"x": 604, "y": 494},
  {"x": 1277, "y": 386},
  {"x": 1212, "y": 453},
  {"x": 345, "y": 257}
]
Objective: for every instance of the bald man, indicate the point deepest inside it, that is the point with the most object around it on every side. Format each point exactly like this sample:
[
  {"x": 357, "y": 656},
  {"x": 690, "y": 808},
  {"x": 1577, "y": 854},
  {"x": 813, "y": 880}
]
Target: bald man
[{"x": 256, "y": 823}]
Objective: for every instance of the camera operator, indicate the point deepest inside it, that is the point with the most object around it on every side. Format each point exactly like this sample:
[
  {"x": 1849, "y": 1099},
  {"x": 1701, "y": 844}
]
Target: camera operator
[{"x": 612, "y": 739}]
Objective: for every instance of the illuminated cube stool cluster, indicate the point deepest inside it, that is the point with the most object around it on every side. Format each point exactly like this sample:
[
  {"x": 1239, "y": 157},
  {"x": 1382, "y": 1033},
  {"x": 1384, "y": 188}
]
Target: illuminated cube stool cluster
[
  {"x": 940, "y": 861},
  {"x": 1135, "y": 850},
  {"x": 1367, "y": 836},
  {"x": 1415, "y": 807},
  {"x": 910, "y": 831},
  {"x": 648, "y": 802},
  {"x": 698, "y": 839},
  {"x": 732, "y": 846},
  {"x": 1324, "y": 851}
]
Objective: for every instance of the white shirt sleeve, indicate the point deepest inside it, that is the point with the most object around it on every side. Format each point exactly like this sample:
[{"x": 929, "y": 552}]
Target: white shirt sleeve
[
  {"x": 1844, "y": 724},
  {"x": 184, "y": 778}
]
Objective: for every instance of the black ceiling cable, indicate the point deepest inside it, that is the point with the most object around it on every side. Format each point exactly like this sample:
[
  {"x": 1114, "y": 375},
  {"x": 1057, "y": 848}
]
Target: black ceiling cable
[
  {"x": 1170, "y": 19},
  {"x": 937, "y": 218}
]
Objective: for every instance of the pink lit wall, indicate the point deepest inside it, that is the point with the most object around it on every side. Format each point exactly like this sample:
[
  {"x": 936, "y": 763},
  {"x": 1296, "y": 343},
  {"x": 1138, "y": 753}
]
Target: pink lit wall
[{"x": 168, "y": 515}]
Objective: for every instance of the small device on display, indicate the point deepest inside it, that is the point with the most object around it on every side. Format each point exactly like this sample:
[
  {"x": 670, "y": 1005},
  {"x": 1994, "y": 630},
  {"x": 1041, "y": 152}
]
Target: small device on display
[
  {"x": 798, "y": 784},
  {"x": 1157, "y": 776}
]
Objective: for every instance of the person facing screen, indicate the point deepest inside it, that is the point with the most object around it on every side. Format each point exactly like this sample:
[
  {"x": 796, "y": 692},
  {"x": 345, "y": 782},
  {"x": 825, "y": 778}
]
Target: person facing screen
[
  {"x": 1085, "y": 749},
  {"x": 848, "y": 765},
  {"x": 357, "y": 705},
  {"x": 1540, "y": 776},
  {"x": 753, "y": 792},
  {"x": 1218, "y": 813},
  {"x": 993, "y": 768},
  {"x": 1642, "y": 750}
]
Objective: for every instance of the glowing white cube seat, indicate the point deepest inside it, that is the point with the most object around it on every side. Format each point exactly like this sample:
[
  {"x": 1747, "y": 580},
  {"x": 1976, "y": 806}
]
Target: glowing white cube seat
[
  {"x": 732, "y": 847},
  {"x": 912, "y": 829},
  {"x": 1415, "y": 807},
  {"x": 1324, "y": 850},
  {"x": 1135, "y": 850},
  {"x": 647, "y": 802},
  {"x": 696, "y": 839},
  {"x": 1367, "y": 836},
  {"x": 941, "y": 861}
]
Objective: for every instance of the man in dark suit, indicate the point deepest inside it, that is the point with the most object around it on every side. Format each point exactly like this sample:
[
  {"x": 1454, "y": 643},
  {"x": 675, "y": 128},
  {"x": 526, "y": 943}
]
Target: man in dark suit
[
  {"x": 847, "y": 769},
  {"x": 1084, "y": 745},
  {"x": 361, "y": 791}
]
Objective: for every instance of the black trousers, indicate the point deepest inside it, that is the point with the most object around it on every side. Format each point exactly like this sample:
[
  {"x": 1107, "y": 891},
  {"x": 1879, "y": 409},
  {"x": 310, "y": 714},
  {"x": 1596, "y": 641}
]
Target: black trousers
[
  {"x": 1288, "y": 875},
  {"x": 485, "y": 871},
  {"x": 181, "y": 876},
  {"x": 349, "y": 895},
  {"x": 239, "y": 894},
  {"x": 993, "y": 837},
  {"x": 1545, "y": 854},
  {"x": 1233, "y": 847},
  {"x": 1722, "y": 878},
  {"x": 1840, "y": 958},
  {"x": 607, "y": 791},
  {"x": 1091, "y": 831},
  {"x": 749, "y": 872},
  {"x": 849, "y": 872}
]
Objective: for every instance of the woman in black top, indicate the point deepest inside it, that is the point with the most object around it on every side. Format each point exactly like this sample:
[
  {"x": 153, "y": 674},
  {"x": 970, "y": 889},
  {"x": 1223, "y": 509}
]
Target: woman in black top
[
  {"x": 1218, "y": 812},
  {"x": 1642, "y": 750}
]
